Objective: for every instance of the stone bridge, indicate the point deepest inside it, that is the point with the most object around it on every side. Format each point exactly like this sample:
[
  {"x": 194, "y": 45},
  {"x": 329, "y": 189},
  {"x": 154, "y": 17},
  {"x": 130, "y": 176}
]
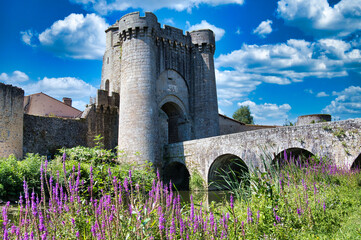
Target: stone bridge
[{"x": 339, "y": 141}]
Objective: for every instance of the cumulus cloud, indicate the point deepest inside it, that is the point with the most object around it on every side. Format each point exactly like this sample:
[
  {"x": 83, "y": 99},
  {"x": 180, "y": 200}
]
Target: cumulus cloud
[
  {"x": 317, "y": 17},
  {"x": 267, "y": 113},
  {"x": 218, "y": 32},
  {"x": 105, "y": 6},
  {"x": 241, "y": 71},
  {"x": 72, "y": 87},
  {"x": 347, "y": 102},
  {"x": 79, "y": 105},
  {"x": 293, "y": 61},
  {"x": 225, "y": 103},
  {"x": 15, "y": 77},
  {"x": 27, "y": 37},
  {"x": 322, "y": 94},
  {"x": 263, "y": 29},
  {"x": 77, "y": 36},
  {"x": 60, "y": 87}
]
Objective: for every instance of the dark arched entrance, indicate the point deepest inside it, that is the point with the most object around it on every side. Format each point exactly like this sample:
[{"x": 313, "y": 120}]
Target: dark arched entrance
[
  {"x": 178, "y": 174},
  {"x": 297, "y": 156},
  {"x": 227, "y": 170},
  {"x": 357, "y": 163},
  {"x": 175, "y": 119}
]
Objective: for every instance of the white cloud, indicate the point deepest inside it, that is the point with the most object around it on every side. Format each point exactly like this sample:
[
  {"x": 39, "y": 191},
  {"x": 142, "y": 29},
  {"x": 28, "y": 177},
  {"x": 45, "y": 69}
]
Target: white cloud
[
  {"x": 105, "y": 6},
  {"x": 169, "y": 21},
  {"x": 267, "y": 113},
  {"x": 61, "y": 87},
  {"x": 77, "y": 36},
  {"x": 317, "y": 17},
  {"x": 293, "y": 61},
  {"x": 14, "y": 78},
  {"x": 322, "y": 94},
  {"x": 27, "y": 36},
  {"x": 263, "y": 29},
  {"x": 220, "y": 111},
  {"x": 310, "y": 91},
  {"x": 225, "y": 103},
  {"x": 241, "y": 71},
  {"x": 218, "y": 32},
  {"x": 238, "y": 32},
  {"x": 79, "y": 105},
  {"x": 347, "y": 102}
]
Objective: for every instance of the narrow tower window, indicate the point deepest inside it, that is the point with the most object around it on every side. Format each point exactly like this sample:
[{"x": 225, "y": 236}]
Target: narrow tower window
[{"x": 107, "y": 85}]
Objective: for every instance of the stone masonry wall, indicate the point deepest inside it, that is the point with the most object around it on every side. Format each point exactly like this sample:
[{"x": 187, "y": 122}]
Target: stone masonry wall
[
  {"x": 45, "y": 135},
  {"x": 11, "y": 120},
  {"x": 340, "y": 141},
  {"x": 103, "y": 121}
]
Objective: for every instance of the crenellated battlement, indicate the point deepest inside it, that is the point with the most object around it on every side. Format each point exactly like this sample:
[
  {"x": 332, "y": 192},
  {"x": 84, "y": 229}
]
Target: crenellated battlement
[
  {"x": 133, "y": 25},
  {"x": 203, "y": 37},
  {"x": 104, "y": 101}
]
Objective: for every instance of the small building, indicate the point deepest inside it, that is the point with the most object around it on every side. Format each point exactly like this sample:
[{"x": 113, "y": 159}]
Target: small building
[
  {"x": 229, "y": 125},
  {"x": 40, "y": 104}
]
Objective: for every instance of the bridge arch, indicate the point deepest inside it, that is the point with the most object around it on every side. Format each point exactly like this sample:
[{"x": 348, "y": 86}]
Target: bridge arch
[
  {"x": 177, "y": 173},
  {"x": 357, "y": 163},
  {"x": 232, "y": 167},
  {"x": 292, "y": 155}
]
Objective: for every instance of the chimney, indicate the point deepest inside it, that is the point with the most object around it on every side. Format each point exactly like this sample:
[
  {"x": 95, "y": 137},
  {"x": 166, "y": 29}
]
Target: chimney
[{"x": 67, "y": 101}]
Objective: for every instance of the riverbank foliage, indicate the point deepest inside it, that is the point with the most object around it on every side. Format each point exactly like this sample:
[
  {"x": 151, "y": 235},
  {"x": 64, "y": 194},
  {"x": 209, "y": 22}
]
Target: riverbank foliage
[{"x": 308, "y": 200}]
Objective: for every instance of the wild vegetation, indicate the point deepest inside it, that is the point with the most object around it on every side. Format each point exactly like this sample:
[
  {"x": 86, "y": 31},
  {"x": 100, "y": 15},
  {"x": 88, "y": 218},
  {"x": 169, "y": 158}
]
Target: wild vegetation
[{"x": 83, "y": 198}]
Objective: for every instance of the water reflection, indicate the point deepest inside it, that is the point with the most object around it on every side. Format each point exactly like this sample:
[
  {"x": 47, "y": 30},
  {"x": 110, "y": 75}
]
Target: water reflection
[{"x": 204, "y": 196}]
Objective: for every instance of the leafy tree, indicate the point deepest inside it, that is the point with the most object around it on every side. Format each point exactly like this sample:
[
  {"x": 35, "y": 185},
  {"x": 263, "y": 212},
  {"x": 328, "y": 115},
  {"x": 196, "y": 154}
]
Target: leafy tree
[
  {"x": 288, "y": 123},
  {"x": 243, "y": 114}
]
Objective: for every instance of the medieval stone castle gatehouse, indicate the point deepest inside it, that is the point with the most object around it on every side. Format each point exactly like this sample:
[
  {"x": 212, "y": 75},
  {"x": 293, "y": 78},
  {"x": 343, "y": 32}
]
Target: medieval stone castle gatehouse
[
  {"x": 158, "y": 98},
  {"x": 166, "y": 83}
]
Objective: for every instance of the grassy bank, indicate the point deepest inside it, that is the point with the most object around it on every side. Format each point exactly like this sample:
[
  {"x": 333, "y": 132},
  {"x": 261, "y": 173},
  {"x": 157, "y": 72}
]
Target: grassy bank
[{"x": 309, "y": 200}]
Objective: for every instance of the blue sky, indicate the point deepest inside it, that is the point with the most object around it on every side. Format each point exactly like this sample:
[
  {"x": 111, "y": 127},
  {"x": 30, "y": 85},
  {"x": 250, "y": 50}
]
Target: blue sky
[{"x": 283, "y": 58}]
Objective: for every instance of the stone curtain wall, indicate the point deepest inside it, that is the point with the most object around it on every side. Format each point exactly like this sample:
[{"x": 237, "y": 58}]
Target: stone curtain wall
[
  {"x": 103, "y": 121},
  {"x": 11, "y": 120},
  {"x": 45, "y": 135}
]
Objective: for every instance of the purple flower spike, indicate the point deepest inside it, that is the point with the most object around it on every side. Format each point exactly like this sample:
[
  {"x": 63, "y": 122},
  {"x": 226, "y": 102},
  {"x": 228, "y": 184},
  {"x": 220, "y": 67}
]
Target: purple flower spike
[{"x": 231, "y": 201}]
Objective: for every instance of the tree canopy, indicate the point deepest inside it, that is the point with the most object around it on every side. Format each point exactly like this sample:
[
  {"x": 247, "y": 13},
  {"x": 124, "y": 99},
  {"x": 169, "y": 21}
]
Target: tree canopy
[{"x": 243, "y": 114}]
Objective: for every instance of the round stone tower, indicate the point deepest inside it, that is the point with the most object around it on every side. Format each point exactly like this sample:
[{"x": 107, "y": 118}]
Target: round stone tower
[
  {"x": 204, "y": 92},
  {"x": 138, "y": 110},
  {"x": 313, "y": 118}
]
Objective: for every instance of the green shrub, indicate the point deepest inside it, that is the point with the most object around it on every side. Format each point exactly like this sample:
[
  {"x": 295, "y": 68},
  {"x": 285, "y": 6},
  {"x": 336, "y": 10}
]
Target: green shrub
[
  {"x": 13, "y": 173},
  {"x": 196, "y": 181}
]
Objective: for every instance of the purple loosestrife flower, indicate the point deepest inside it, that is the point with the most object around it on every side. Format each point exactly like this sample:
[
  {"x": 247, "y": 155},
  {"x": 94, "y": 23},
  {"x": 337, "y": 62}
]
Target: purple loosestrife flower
[
  {"x": 211, "y": 220},
  {"x": 278, "y": 219},
  {"x": 299, "y": 212},
  {"x": 249, "y": 216},
  {"x": 172, "y": 228},
  {"x": 314, "y": 188},
  {"x": 161, "y": 219},
  {"x": 125, "y": 184},
  {"x": 258, "y": 217},
  {"x": 192, "y": 209},
  {"x": 231, "y": 202},
  {"x": 243, "y": 232},
  {"x": 324, "y": 206}
]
